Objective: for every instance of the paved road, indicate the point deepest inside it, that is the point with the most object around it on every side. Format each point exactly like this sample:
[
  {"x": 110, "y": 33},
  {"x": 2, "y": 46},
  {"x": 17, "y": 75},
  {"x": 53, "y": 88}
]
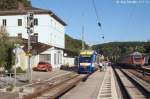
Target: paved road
[{"x": 88, "y": 89}]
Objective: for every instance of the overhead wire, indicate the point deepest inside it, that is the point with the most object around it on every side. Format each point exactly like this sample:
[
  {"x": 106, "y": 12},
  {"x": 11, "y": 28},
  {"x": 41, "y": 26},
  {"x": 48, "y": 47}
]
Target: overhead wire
[
  {"x": 96, "y": 13},
  {"x": 98, "y": 19}
]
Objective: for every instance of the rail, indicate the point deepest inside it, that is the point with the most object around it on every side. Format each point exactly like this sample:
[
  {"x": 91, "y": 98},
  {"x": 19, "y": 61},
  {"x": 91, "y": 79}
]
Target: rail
[
  {"x": 52, "y": 91},
  {"x": 133, "y": 86},
  {"x": 144, "y": 71}
]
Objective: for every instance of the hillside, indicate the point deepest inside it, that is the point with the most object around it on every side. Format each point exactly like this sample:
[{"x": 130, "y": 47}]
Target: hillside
[
  {"x": 13, "y": 4},
  {"x": 122, "y": 48},
  {"x": 72, "y": 44}
]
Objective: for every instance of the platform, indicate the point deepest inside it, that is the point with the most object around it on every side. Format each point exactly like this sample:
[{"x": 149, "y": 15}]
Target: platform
[
  {"x": 100, "y": 85},
  {"x": 88, "y": 89},
  {"x": 108, "y": 87}
]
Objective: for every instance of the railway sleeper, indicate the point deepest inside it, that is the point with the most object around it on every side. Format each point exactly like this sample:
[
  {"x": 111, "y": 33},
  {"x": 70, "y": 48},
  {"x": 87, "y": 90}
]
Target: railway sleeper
[
  {"x": 57, "y": 91},
  {"x": 140, "y": 82},
  {"x": 42, "y": 89},
  {"x": 132, "y": 90}
]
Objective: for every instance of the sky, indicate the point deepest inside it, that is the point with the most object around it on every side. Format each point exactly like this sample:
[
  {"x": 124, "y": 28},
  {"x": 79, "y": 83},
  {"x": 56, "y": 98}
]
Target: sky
[{"x": 121, "y": 20}]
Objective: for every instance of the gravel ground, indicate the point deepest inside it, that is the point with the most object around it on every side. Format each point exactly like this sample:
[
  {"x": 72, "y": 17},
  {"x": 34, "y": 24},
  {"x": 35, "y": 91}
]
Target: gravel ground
[{"x": 37, "y": 76}]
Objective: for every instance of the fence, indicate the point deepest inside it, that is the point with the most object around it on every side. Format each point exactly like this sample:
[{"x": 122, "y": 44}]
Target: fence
[
  {"x": 8, "y": 79},
  {"x": 69, "y": 61}
]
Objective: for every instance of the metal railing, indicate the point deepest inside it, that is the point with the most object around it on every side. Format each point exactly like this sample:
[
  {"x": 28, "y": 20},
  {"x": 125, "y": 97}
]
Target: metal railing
[{"x": 8, "y": 79}]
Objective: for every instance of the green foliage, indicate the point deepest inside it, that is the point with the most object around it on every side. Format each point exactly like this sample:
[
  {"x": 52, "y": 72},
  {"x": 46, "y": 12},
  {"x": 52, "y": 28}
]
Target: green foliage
[
  {"x": 10, "y": 58},
  {"x": 19, "y": 70},
  {"x": 13, "y": 4},
  {"x": 8, "y": 4},
  {"x": 147, "y": 47},
  {"x": 116, "y": 49},
  {"x": 73, "y": 44},
  {"x": 25, "y": 2},
  {"x": 140, "y": 49},
  {"x": 3, "y": 45},
  {"x": 7, "y": 56}
]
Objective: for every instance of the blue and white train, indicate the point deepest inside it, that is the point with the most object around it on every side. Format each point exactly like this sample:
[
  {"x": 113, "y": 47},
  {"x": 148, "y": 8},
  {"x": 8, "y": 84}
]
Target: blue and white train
[{"x": 87, "y": 61}]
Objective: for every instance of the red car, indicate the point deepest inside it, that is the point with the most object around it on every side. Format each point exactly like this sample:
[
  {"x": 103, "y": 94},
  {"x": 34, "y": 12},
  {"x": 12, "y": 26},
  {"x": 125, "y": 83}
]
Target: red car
[{"x": 44, "y": 66}]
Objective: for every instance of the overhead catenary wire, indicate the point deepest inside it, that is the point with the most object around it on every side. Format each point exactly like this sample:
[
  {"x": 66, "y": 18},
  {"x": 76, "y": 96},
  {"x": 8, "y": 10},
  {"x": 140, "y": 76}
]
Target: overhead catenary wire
[
  {"x": 96, "y": 13},
  {"x": 98, "y": 19}
]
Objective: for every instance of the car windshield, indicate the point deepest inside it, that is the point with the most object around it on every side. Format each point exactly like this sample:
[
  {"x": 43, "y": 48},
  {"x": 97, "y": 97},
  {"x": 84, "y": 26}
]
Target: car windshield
[{"x": 42, "y": 63}]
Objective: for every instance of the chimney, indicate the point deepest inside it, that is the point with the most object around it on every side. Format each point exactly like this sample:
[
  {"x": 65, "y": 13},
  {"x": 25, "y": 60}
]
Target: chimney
[
  {"x": 19, "y": 35},
  {"x": 36, "y": 37},
  {"x": 21, "y": 6}
]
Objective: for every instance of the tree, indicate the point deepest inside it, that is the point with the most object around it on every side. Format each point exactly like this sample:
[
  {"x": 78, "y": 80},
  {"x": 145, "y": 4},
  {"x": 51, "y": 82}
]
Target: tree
[
  {"x": 8, "y": 4},
  {"x": 10, "y": 58},
  {"x": 25, "y": 2},
  {"x": 147, "y": 47},
  {"x": 3, "y": 40},
  {"x": 13, "y": 4},
  {"x": 140, "y": 49},
  {"x": 115, "y": 49},
  {"x": 7, "y": 57},
  {"x": 74, "y": 44}
]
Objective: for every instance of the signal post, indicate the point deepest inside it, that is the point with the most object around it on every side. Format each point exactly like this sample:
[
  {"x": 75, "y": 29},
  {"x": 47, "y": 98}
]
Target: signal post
[{"x": 30, "y": 27}]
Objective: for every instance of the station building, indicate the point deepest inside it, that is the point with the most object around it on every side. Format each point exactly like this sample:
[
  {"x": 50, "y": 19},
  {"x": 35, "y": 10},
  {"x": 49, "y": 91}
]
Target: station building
[{"x": 49, "y": 30}]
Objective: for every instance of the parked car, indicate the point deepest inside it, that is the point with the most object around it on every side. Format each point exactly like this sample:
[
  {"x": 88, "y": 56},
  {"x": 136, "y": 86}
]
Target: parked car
[{"x": 43, "y": 66}]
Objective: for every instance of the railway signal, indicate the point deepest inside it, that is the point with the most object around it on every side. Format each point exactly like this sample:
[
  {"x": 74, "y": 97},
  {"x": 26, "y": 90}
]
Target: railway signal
[
  {"x": 30, "y": 28},
  {"x": 30, "y": 22}
]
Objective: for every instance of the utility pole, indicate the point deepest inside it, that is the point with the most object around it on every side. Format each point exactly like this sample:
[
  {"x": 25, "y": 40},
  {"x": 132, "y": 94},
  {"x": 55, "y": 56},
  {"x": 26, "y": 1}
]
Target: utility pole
[{"x": 30, "y": 26}]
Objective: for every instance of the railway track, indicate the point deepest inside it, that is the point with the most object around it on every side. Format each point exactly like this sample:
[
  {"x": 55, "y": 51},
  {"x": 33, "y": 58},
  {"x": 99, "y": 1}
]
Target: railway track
[
  {"x": 143, "y": 70},
  {"x": 132, "y": 87},
  {"x": 141, "y": 74},
  {"x": 52, "y": 90},
  {"x": 36, "y": 86},
  {"x": 53, "y": 87},
  {"x": 62, "y": 88}
]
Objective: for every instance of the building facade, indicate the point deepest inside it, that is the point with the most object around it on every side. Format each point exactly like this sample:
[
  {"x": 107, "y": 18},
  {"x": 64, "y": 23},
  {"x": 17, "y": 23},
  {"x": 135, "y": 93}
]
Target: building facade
[{"x": 49, "y": 28}]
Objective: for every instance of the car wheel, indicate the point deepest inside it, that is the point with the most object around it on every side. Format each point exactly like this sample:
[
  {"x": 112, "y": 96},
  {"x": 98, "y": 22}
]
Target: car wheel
[{"x": 47, "y": 70}]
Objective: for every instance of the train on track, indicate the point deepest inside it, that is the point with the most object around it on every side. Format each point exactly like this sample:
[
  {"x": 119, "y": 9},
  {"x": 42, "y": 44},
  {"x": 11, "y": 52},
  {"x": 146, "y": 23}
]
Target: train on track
[
  {"x": 87, "y": 61},
  {"x": 134, "y": 59}
]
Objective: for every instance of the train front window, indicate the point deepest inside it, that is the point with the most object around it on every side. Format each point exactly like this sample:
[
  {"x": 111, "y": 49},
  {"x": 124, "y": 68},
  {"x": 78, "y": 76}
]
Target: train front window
[
  {"x": 137, "y": 58},
  {"x": 85, "y": 59}
]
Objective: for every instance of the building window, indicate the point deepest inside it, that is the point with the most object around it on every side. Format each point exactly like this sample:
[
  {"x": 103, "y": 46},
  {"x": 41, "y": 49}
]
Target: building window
[
  {"x": 19, "y": 22},
  {"x": 4, "y": 22},
  {"x": 45, "y": 58},
  {"x": 51, "y": 22},
  {"x": 36, "y": 22},
  {"x": 55, "y": 59},
  {"x": 60, "y": 58},
  {"x": 58, "y": 61}
]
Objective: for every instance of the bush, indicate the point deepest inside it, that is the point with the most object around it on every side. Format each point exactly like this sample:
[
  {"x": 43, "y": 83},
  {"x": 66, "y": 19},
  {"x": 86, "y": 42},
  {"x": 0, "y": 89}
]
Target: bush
[
  {"x": 19, "y": 70},
  {"x": 34, "y": 68}
]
